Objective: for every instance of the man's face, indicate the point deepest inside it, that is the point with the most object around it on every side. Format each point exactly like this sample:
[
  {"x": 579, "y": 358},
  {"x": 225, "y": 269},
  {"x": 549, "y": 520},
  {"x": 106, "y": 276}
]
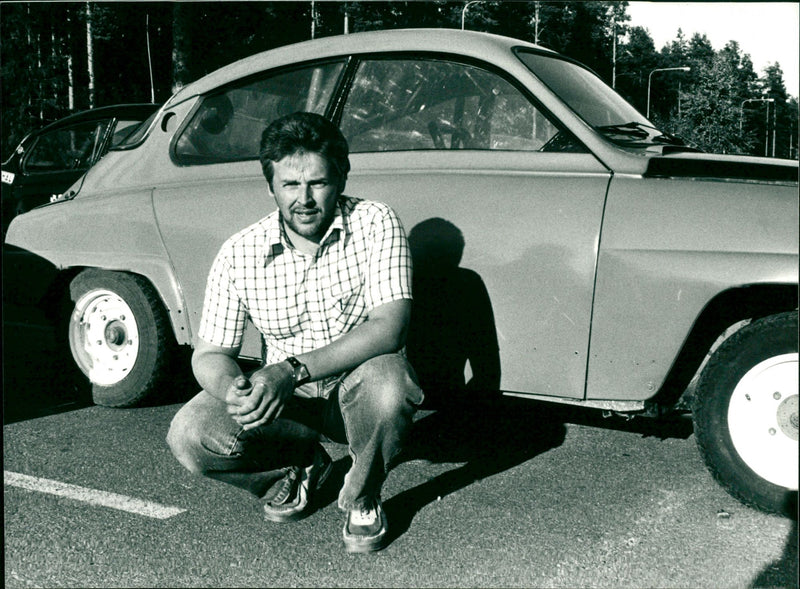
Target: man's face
[{"x": 305, "y": 187}]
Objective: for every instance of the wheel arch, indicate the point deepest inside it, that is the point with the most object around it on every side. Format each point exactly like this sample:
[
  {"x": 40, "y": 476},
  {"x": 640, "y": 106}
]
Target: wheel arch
[
  {"x": 726, "y": 309},
  {"x": 160, "y": 278}
]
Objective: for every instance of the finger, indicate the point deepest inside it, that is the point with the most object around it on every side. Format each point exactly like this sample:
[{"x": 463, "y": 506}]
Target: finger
[
  {"x": 241, "y": 385},
  {"x": 255, "y": 414}
]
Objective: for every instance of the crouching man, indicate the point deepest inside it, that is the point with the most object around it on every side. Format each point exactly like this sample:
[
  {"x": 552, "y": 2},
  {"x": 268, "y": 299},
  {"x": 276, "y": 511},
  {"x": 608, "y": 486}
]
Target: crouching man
[{"x": 326, "y": 279}]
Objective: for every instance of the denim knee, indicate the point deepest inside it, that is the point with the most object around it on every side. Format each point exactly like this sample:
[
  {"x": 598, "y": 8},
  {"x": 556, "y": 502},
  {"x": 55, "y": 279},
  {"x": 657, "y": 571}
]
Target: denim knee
[
  {"x": 183, "y": 440},
  {"x": 388, "y": 382}
]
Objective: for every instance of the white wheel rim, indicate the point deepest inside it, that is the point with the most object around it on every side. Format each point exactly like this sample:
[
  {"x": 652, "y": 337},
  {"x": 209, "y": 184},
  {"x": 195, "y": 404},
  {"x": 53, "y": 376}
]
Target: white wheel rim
[
  {"x": 104, "y": 337},
  {"x": 762, "y": 420}
]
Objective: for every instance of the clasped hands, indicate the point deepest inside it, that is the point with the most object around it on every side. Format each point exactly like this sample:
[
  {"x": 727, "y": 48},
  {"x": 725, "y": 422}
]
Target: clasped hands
[{"x": 260, "y": 399}]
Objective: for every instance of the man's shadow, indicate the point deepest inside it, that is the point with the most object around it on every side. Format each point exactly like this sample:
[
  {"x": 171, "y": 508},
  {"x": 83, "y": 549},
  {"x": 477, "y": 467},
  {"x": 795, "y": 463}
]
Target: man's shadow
[
  {"x": 452, "y": 327},
  {"x": 452, "y": 322},
  {"x": 487, "y": 436}
]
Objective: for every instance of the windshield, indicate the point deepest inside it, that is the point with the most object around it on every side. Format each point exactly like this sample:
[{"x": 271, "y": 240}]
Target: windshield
[{"x": 593, "y": 100}]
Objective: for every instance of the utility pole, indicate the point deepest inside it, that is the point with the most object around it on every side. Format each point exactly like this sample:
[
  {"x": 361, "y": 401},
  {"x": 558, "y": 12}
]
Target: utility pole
[
  {"x": 774, "y": 125},
  {"x": 614, "y": 54},
  {"x": 90, "y": 53}
]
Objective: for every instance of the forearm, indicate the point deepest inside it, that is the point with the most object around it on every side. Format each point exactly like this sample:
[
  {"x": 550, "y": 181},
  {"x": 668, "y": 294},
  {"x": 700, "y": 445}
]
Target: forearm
[
  {"x": 214, "y": 371},
  {"x": 383, "y": 333}
]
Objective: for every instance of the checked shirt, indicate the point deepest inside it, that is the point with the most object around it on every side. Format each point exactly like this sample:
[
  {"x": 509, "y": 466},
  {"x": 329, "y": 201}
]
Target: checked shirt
[{"x": 301, "y": 302}]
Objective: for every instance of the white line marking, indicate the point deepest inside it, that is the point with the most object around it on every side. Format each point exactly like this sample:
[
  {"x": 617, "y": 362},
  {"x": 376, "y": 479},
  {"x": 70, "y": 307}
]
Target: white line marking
[{"x": 91, "y": 496}]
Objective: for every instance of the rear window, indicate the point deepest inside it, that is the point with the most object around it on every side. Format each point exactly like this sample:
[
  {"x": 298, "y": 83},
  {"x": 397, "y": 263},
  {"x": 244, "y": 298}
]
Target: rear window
[{"x": 227, "y": 126}]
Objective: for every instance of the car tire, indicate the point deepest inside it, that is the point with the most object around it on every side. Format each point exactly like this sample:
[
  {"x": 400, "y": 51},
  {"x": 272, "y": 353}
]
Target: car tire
[
  {"x": 119, "y": 335},
  {"x": 745, "y": 414}
]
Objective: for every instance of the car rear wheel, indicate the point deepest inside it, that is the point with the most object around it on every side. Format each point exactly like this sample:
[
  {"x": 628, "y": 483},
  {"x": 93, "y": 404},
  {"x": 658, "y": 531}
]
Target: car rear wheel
[
  {"x": 746, "y": 414},
  {"x": 119, "y": 335}
]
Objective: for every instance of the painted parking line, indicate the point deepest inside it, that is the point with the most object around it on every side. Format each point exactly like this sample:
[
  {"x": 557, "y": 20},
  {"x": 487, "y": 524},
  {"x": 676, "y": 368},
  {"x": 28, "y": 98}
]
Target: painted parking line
[{"x": 90, "y": 496}]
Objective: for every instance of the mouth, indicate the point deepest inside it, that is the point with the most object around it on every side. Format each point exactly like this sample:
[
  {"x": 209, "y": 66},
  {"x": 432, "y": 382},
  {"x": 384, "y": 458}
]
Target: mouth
[{"x": 305, "y": 215}]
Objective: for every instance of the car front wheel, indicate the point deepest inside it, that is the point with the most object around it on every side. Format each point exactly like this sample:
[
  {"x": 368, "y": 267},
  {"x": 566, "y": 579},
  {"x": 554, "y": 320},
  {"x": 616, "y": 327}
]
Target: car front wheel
[
  {"x": 746, "y": 415},
  {"x": 119, "y": 335}
]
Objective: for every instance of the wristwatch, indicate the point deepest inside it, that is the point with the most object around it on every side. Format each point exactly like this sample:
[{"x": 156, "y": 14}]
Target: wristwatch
[{"x": 301, "y": 375}]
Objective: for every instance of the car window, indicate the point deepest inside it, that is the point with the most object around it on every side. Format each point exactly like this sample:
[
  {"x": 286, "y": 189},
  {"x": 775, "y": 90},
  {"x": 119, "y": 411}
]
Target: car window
[
  {"x": 71, "y": 148},
  {"x": 582, "y": 90},
  {"x": 123, "y": 129},
  {"x": 417, "y": 104},
  {"x": 228, "y": 126}
]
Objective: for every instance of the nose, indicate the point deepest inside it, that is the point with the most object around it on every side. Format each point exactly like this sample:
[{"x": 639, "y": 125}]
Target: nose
[{"x": 306, "y": 195}]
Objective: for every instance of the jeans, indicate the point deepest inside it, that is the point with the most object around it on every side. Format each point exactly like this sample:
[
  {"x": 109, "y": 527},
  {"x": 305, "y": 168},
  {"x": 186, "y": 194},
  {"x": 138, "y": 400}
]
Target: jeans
[{"x": 370, "y": 408}]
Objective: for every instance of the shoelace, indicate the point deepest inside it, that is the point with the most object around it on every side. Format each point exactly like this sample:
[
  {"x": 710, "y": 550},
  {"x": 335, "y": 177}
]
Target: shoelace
[{"x": 288, "y": 485}]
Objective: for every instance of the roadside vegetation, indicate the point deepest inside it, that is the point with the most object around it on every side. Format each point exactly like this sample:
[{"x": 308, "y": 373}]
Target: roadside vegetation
[{"x": 59, "y": 58}]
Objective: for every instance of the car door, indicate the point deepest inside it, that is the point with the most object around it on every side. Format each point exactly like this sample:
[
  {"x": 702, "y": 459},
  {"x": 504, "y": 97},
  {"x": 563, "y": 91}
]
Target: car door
[
  {"x": 462, "y": 153},
  {"x": 217, "y": 186},
  {"x": 56, "y": 159}
]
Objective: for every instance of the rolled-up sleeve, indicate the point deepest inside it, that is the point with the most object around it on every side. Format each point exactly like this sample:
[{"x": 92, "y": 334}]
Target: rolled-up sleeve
[
  {"x": 389, "y": 271},
  {"x": 224, "y": 314}
]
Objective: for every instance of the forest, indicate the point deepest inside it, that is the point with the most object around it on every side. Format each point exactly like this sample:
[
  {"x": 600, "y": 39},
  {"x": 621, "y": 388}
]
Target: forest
[{"x": 63, "y": 57}]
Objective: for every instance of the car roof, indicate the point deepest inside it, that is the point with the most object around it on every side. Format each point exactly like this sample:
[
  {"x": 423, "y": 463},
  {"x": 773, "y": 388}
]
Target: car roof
[
  {"x": 140, "y": 110},
  {"x": 471, "y": 43}
]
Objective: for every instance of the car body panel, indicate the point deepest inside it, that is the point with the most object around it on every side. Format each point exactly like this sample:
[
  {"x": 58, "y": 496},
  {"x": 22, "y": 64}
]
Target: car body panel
[
  {"x": 115, "y": 234},
  {"x": 668, "y": 247}
]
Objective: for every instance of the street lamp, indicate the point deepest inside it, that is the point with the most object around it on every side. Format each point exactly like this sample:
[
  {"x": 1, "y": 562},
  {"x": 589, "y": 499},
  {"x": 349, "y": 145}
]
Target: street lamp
[
  {"x": 766, "y": 128},
  {"x": 741, "y": 108},
  {"x": 684, "y": 68},
  {"x": 464, "y": 11}
]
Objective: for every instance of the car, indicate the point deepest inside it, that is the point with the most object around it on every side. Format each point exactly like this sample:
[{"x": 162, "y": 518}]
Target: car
[
  {"x": 48, "y": 161},
  {"x": 565, "y": 249}
]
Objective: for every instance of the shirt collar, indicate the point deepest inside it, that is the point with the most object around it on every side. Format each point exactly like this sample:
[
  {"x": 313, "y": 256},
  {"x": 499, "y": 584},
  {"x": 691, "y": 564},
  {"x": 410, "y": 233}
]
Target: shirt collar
[{"x": 276, "y": 240}]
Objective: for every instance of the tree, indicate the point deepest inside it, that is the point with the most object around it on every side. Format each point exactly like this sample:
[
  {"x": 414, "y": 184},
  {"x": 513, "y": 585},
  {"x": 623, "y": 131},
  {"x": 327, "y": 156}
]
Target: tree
[
  {"x": 637, "y": 58},
  {"x": 710, "y": 108}
]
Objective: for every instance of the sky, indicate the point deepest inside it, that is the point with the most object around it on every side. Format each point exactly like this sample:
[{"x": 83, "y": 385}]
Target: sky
[{"x": 767, "y": 31}]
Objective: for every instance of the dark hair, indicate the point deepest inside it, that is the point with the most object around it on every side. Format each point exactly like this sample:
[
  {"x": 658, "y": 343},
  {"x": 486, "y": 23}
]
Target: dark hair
[{"x": 304, "y": 132}]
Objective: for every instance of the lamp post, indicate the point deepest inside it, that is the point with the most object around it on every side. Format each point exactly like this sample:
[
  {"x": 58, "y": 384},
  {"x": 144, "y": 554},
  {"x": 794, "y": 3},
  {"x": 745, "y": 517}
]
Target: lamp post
[
  {"x": 766, "y": 128},
  {"x": 464, "y": 11},
  {"x": 684, "y": 68}
]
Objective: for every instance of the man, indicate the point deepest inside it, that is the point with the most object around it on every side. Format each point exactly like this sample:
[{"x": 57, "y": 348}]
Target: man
[{"x": 327, "y": 281}]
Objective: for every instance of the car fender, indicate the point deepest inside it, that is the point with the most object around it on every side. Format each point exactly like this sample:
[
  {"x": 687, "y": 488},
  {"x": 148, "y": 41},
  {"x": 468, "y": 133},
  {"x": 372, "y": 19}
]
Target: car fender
[
  {"x": 111, "y": 230},
  {"x": 668, "y": 247}
]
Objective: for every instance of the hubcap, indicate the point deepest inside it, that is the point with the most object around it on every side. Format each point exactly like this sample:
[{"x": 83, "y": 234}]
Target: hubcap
[
  {"x": 763, "y": 419},
  {"x": 104, "y": 337}
]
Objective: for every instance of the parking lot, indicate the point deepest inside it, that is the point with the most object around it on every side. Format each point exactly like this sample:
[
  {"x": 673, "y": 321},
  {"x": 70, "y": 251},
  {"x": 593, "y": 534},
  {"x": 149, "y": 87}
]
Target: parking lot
[{"x": 524, "y": 495}]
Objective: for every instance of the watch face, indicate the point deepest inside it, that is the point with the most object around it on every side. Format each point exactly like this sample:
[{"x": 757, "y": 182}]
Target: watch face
[{"x": 301, "y": 374}]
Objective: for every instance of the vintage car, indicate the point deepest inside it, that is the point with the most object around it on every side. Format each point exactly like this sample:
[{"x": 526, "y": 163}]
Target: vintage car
[
  {"x": 49, "y": 160},
  {"x": 565, "y": 249}
]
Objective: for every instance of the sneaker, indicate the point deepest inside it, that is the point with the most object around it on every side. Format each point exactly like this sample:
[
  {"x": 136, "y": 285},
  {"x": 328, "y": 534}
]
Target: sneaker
[
  {"x": 365, "y": 529},
  {"x": 291, "y": 500}
]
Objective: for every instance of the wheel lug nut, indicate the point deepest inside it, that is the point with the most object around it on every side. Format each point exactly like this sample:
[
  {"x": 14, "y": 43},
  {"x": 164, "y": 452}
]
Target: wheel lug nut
[
  {"x": 776, "y": 395},
  {"x": 772, "y": 431},
  {"x": 102, "y": 317}
]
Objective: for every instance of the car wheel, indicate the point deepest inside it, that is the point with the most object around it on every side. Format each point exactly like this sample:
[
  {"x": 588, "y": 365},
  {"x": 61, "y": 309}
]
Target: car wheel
[
  {"x": 119, "y": 335},
  {"x": 746, "y": 416}
]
